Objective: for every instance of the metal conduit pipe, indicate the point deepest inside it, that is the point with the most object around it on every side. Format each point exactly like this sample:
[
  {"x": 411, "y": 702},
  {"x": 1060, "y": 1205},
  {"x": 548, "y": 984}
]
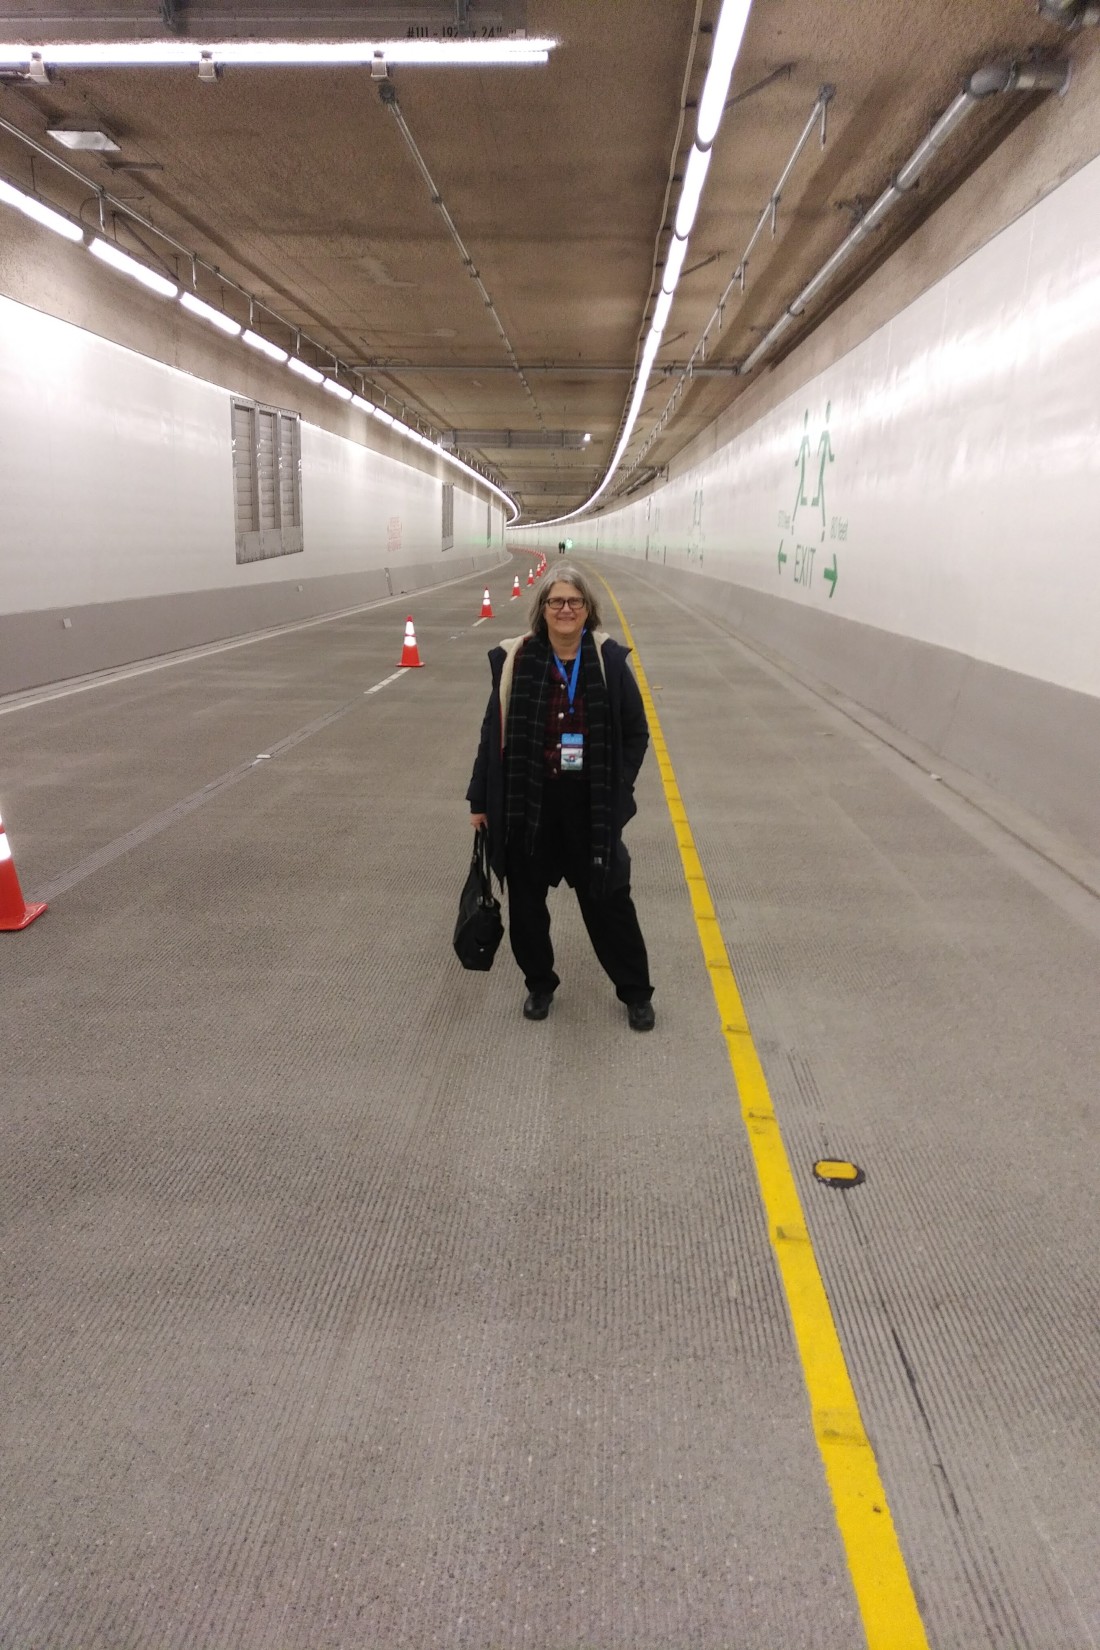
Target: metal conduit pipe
[
  {"x": 985, "y": 82},
  {"x": 1072, "y": 14},
  {"x": 388, "y": 93}
]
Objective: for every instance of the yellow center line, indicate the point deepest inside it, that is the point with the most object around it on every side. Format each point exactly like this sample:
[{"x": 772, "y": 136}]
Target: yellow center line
[{"x": 884, "y": 1593}]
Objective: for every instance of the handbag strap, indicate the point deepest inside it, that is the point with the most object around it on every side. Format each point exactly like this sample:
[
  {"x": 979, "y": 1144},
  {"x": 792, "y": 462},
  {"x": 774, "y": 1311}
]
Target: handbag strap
[{"x": 481, "y": 862}]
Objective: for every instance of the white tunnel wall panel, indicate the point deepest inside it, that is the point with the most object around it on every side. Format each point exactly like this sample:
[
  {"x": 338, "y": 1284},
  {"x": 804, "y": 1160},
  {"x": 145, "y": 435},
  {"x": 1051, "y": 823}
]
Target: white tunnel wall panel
[
  {"x": 115, "y": 471},
  {"x": 362, "y": 505},
  {"x": 942, "y": 481}
]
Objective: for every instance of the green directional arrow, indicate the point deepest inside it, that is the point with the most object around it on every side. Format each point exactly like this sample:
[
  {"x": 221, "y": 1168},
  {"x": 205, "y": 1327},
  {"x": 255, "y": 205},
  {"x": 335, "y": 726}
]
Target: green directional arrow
[
  {"x": 782, "y": 558},
  {"x": 830, "y": 574}
]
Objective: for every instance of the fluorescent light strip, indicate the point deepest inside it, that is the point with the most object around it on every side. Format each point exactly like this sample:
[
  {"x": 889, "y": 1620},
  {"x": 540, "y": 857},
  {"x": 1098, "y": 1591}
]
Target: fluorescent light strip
[
  {"x": 304, "y": 370},
  {"x": 207, "y": 312},
  {"x": 255, "y": 341},
  {"x": 674, "y": 263},
  {"x": 45, "y": 215},
  {"x": 108, "y": 253},
  {"x": 695, "y": 175},
  {"x": 334, "y": 388},
  {"x": 92, "y": 54},
  {"x": 660, "y": 312},
  {"x": 726, "y": 43}
]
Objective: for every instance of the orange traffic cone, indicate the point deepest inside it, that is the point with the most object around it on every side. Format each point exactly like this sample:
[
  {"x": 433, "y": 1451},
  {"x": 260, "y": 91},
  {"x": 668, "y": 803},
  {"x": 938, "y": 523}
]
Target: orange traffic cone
[
  {"x": 515, "y": 588},
  {"x": 410, "y": 658},
  {"x": 530, "y": 575},
  {"x": 486, "y": 607},
  {"x": 15, "y": 913}
]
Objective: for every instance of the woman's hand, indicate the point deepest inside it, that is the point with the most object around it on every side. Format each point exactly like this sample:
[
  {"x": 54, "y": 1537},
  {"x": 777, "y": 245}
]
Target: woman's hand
[{"x": 478, "y": 820}]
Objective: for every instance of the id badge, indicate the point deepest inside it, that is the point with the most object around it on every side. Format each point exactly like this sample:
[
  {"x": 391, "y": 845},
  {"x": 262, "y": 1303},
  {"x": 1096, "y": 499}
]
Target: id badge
[{"x": 572, "y": 752}]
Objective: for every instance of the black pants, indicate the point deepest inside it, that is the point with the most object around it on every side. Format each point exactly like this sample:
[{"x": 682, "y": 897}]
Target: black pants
[{"x": 612, "y": 922}]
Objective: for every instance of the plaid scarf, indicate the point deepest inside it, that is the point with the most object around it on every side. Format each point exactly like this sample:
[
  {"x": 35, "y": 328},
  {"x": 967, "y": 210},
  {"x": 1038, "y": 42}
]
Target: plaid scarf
[{"x": 525, "y": 737}]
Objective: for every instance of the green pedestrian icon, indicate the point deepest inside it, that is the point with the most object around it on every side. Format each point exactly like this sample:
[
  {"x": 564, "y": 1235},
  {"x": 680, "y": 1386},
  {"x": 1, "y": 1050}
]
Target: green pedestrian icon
[
  {"x": 825, "y": 455},
  {"x": 800, "y": 465}
]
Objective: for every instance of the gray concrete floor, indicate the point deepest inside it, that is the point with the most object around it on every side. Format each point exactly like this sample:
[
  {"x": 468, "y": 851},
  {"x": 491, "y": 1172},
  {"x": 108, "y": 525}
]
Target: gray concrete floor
[{"x": 340, "y": 1306}]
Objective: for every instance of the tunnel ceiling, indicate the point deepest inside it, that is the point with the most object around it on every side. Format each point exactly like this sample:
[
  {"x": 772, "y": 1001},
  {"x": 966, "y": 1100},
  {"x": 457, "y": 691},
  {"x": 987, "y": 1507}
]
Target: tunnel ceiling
[{"x": 562, "y": 182}]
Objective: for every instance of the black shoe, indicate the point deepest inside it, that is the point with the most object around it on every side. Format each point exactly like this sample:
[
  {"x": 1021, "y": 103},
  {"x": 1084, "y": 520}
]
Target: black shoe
[
  {"x": 641, "y": 1016},
  {"x": 537, "y": 1006}
]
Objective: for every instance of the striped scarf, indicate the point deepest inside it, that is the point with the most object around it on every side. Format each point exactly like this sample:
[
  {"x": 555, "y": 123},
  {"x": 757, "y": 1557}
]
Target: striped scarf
[{"x": 525, "y": 737}]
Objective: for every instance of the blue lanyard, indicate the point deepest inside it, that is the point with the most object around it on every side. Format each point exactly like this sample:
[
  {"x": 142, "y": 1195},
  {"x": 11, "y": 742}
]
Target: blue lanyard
[{"x": 570, "y": 680}]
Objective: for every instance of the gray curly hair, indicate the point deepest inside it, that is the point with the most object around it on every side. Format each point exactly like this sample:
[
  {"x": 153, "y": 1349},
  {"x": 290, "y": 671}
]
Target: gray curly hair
[{"x": 562, "y": 575}]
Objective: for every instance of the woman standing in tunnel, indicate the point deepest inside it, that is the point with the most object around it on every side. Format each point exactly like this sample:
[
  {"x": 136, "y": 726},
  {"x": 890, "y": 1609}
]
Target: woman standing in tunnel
[{"x": 562, "y": 741}]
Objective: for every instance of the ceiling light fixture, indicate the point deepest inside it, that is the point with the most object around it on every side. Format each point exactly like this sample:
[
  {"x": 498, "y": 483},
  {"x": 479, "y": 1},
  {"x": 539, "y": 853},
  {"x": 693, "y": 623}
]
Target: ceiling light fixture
[
  {"x": 660, "y": 311},
  {"x": 207, "y": 312},
  {"x": 36, "y": 209},
  {"x": 256, "y": 341},
  {"x": 334, "y": 388},
  {"x": 695, "y": 175},
  {"x": 727, "y": 40},
  {"x": 674, "y": 263},
  {"x": 109, "y": 253},
  {"x": 304, "y": 370},
  {"x": 208, "y": 55},
  {"x": 83, "y": 137}
]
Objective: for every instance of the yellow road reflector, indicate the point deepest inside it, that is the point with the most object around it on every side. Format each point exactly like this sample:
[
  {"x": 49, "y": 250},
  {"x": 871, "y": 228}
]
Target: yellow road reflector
[
  {"x": 880, "y": 1580},
  {"x": 835, "y": 1171}
]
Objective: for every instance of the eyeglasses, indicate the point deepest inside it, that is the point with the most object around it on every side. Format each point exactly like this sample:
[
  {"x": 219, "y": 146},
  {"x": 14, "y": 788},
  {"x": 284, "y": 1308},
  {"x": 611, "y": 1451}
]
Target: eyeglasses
[{"x": 558, "y": 604}]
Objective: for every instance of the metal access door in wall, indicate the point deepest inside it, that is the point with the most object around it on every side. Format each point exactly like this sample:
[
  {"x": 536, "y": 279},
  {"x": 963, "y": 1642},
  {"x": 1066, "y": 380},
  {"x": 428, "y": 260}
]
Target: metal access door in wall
[
  {"x": 448, "y": 515},
  {"x": 267, "y": 481}
]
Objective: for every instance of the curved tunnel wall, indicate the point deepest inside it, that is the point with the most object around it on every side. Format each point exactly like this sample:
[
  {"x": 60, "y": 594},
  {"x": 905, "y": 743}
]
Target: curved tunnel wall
[{"x": 916, "y": 525}]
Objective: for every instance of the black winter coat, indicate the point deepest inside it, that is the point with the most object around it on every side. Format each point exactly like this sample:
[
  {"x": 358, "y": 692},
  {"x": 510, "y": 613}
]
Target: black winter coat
[{"x": 628, "y": 739}]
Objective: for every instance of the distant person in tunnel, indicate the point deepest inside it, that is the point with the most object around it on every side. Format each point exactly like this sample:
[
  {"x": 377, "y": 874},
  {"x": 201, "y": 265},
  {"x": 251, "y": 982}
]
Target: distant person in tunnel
[{"x": 561, "y": 744}]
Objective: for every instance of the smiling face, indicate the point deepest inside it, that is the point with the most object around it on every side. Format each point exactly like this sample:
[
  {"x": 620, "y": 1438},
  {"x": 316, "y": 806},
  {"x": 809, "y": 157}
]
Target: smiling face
[{"x": 565, "y": 624}]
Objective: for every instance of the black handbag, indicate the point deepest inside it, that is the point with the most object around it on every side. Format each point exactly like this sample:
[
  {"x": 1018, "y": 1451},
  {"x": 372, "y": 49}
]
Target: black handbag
[{"x": 479, "y": 927}]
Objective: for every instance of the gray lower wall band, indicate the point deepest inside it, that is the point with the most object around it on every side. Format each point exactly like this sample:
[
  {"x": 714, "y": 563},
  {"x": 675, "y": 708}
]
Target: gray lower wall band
[
  {"x": 1034, "y": 742},
  {"x": 37, "y": 648}
]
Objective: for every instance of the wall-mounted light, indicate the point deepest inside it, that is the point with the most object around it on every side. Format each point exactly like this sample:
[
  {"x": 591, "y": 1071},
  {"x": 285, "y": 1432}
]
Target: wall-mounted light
[
  {"x": 45, "y": 215},
  {"x": 256, "y": 341},
  {"x": 304, "y": 370},
  {"x": 334, "y": 388},
  {"x": 109, "y": 253},
  {"x": 207, "y": 312}
]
